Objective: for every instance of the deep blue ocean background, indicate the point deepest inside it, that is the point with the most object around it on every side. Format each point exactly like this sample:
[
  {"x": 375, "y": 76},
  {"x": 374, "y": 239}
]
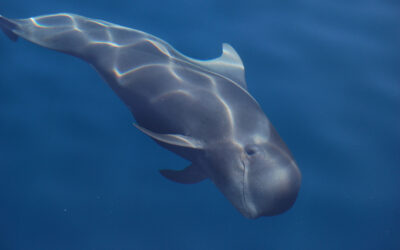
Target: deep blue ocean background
[{"x": 76, "y": 175}]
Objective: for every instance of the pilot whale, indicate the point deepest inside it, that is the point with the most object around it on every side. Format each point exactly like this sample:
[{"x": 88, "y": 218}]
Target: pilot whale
[{"x": 200, "y": 110}]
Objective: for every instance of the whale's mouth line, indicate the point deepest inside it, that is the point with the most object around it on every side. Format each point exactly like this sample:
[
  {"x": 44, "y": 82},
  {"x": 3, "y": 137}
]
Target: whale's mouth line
[{"x": 244, "y": 201}]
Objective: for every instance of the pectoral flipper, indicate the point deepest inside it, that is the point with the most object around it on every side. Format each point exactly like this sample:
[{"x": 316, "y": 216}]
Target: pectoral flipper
[{"x": 189, "y": 175}]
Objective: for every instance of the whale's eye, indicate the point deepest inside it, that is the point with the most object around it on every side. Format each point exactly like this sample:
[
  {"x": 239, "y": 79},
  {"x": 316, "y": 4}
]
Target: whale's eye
[{"x": 251, "y": 150}]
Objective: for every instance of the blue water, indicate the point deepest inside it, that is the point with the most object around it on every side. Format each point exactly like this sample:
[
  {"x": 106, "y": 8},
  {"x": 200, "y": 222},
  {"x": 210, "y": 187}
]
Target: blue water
[{"x": 75, "y": 174}]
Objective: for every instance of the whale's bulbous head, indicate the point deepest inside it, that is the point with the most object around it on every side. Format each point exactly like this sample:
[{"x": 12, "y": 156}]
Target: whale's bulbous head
[
  {"x": 259, "y": 179},
  {"x": 271, "y": 180}
]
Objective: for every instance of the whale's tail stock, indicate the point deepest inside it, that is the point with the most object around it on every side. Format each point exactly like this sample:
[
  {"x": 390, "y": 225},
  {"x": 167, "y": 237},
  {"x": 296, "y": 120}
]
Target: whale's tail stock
[
  {"x": 8, "y": 27},
  {"x": 69, "y": 33}
]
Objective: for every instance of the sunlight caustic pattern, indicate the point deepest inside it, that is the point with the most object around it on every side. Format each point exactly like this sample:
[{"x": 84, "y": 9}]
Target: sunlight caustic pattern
[
  {"x": 84, "y": 38},
  {"x": 198, "y": 109}
]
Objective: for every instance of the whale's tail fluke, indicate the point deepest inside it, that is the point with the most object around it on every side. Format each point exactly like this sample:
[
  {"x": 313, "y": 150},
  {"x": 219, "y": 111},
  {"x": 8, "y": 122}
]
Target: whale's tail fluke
[{"x": 8, "y": 26}]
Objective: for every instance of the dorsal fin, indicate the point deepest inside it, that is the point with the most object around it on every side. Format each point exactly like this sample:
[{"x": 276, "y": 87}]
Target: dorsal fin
[{"x": 228, "y": 64}]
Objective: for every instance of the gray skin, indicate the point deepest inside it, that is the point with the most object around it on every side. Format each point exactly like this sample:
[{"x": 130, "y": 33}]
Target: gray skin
[{"x": 200, "y": 110}]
